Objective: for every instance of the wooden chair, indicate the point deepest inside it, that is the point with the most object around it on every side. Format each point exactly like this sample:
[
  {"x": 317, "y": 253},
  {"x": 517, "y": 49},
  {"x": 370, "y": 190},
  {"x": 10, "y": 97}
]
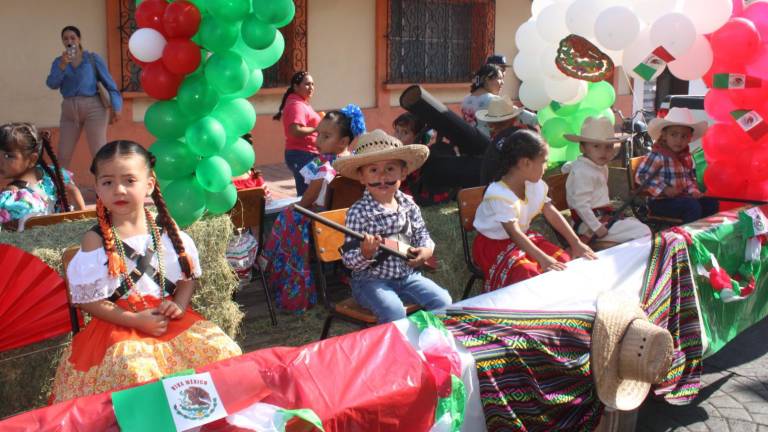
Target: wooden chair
[
  {"x": 249, "y": 212},
  {"x": 557, "y": 192},
  {"x": 468, "y": 201},
  {"x": 343, "y": 192},
  {"x": 75, "y": 316},
  {"x": 51, "y": 219},
  {"x": 328, "y": 243},
  {"x": 637, "y": 210}
]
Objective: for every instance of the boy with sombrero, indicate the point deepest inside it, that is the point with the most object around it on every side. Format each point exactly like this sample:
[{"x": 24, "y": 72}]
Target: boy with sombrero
[
  {"x": 587, "y": 186},
  {"x": 669, "y": 171},
  {"x": 381, "y": 282}
]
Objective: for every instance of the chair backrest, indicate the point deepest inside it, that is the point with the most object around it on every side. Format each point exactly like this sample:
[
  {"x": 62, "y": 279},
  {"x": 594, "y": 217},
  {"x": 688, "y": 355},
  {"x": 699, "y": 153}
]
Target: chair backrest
[
  {"x": 632, "y": 167},
  {"x": 343, "y": 192},
  {"x": 74, "y": 313},
  {"x": 328, "y": 241},
  {"x": 249, "y": 210},
  {"x": 469, "y": 199},
  {"x": 55, "y": 218},
  {"x": 557, "y": 191}
]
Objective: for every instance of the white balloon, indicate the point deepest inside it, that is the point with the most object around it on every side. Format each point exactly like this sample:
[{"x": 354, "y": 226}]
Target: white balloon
[
  {"x": 675, "y": 32},
  {"x": 563, "y": 90},
  {"x": 527, "y": 37},
  {"x": 582, "y": 92},
  {"x": 616, "y": 27},
  {"x": 526, "y": 66},
  {"x": 581, "y": 16},
  {"x": 538, "y": 5},
  {"x": 533, "y": 95},
  {"x": 547, "y": 66},
  {"x": 649, "y": 10},
  {"x": 147, "y": 44},
  {"x": 551, "y": 23},
  {"x": 707, "y": 15},
  {"x": 637, "y": 52},
  {"x": 695, "y": 63}
]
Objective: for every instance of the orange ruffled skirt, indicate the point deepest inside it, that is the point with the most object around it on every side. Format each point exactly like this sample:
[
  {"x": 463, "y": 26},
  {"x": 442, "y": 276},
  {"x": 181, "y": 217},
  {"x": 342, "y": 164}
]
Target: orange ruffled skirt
[{"x": 106, "y": 356}]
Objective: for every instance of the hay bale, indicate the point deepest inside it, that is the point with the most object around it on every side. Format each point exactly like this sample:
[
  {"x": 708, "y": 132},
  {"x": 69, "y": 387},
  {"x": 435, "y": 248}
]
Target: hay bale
[{"x": 27, "y": 381}]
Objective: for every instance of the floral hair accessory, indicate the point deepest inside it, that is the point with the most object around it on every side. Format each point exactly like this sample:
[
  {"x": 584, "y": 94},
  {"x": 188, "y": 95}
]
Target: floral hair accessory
[{"x": 356, "y": 119}]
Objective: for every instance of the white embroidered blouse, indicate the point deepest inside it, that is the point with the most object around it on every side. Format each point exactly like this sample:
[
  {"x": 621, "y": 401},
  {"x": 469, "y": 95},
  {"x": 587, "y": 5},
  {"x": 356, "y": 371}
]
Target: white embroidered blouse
[
  {"x": 89, "y": 280},
  {"x": 501, "y": 205}
]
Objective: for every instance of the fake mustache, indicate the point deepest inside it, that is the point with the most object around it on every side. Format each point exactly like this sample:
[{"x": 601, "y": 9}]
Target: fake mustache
[{"x": 389, "y": 183}]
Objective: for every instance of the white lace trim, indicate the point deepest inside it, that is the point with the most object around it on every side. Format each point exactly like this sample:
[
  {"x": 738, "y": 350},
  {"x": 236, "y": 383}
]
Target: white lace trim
[{"x": 92, "y": 291}]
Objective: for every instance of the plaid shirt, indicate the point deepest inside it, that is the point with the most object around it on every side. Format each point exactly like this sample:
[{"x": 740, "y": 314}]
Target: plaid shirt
[
  {"x": 669, "y": 171},
  {"x": 370, "y": 217}
]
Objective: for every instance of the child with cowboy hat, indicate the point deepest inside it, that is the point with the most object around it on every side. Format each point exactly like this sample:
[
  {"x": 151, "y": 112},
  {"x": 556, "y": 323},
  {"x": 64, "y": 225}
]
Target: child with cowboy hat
[
  {"x": 673, "y": 187},
  {"x": 587, "y": 185},
  {"x": 381, "y": 282}
]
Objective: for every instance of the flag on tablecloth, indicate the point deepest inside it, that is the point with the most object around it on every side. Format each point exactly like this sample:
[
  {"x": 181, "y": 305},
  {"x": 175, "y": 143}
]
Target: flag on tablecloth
[
  {"x": 653, "y": 63},
  {"x": 735, "y": 81},
  {"x": 751, "y": 122}
]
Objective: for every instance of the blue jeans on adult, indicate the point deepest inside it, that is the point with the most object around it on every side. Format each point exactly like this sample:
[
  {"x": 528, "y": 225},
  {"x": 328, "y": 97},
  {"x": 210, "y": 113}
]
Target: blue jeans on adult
[
  {"x": 385, "y": 297},
  {"x": 296, "y": 159},
  {"x": 688, "y": 209}
]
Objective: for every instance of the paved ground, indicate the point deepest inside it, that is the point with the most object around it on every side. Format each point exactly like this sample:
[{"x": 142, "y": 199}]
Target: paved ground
[{"x": 734, "y": 394}]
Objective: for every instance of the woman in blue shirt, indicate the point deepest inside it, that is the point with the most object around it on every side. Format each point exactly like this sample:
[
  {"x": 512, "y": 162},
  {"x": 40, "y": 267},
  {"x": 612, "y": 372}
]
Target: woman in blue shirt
[{"x": 74, "y": 74}]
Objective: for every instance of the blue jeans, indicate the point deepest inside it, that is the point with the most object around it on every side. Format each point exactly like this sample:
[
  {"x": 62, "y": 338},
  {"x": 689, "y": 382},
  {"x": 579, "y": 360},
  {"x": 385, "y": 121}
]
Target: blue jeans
[
  {"x": 686, "y": 208},
  {"x": 384, "y": 297},
  {"x": 296, "y": 159}
]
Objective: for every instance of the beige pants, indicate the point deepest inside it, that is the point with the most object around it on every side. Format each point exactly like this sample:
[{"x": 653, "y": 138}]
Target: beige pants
[{"x": 80, "y": 112}]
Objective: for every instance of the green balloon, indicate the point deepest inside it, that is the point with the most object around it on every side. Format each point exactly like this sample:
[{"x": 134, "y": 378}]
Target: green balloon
[
  {"x": 217, "y": 35},
  {"x": 229, "y": 10},
  {"x": 185, "y": 199},
  {"x": 600, "y": 95},
  {"x": 572, "y": 152},
  {"x": 196, "y": 97},
  {"x": 174, "y": 159},
  {"x": 221, "y": 202},
  {"x": 545, "y": 114},
  {"x": 253, "y": 86},
  {"x": 239, "y": 155},
  {"x": 227, "y": 72},
  {"x": 556, "y": 156},
  {"x": 608, "y": 113},
  {"x": 274, "y": 11},
  {"x": 553, "y": 132},
  {"x": 237, "y": 116},
  {"x": 213, "y": 174},
  {"x": 288, "y": 17},
  {"x": 564, "y": 110},
  {"x": 206, "y": 137},
  {"x": 256, "y": 33},
  {"x": 701, "y": 165},
  {"x": 165, "y": 120},
  {"x": 577, "y": 120},
  {"x": 261, "y": 59}
]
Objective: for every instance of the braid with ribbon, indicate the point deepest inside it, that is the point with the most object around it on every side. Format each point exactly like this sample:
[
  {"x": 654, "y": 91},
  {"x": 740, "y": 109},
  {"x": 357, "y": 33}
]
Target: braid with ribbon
[{"x": 115, "y": 264}]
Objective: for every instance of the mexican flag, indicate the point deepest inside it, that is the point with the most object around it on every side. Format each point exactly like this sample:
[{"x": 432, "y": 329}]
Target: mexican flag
[
  {"x": 751, "y": 122},
  {"x": 735, "y": 81},
  {"x": 655, "y": 62}
]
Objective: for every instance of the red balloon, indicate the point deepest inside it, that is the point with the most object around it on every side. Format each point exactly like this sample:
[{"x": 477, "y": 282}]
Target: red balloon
[
  {"x": 136, "y": 61},
  {"x": 718, "y": 105},
  {"x": 758, "y": 65},
  {"x": 181, "y": 19},
  {"x": 158, "y": 82},
  {"x": 724, "y": 65},
  {"x": 758, "y": 14},
  {"x": 149, "y": 14},
  {"x": 724, "y": 179},
  {"x": 737, "y": 39},
  {"x": 181, "y": 56}
]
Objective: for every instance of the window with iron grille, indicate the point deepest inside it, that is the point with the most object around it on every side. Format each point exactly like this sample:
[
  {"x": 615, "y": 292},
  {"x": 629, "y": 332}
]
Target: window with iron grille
[
  {"x": 438, "y": 41},
  {"x": 279, "y": 75}
]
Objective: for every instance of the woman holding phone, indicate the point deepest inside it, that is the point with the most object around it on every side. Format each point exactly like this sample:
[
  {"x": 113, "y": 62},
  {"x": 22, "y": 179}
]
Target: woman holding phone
[{"x": 75, "y": 74}]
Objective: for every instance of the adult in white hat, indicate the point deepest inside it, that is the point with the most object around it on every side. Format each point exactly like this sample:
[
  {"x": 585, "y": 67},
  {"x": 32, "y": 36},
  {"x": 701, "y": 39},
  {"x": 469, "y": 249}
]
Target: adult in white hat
[
  {"x": 380, "y": 282},
  {"x": 668, "y": 172},
  {"x": 629, "y": 353},
  {"x": 587, "y": 186}
]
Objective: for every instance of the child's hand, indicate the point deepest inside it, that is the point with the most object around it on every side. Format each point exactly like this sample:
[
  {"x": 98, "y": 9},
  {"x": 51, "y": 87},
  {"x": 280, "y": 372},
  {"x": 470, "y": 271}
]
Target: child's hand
[
  {"x": 601, "y": 232},
  {"x": 11, "y": 188},
  {"x": 697, "y": 194},
  {"x": 548, "y": 263},
  {"x": 581, "y": 250},
  {"x": 171, "y": 309},
  {"x": 421, "y": 255},
  {"x": 151, "y": 322},
  {"x": 369, "y": 245},
  {"x": 672, "y": 191}
]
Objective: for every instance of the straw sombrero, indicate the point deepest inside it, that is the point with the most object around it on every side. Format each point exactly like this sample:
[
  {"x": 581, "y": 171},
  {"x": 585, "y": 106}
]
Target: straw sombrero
[
  {"x": 500, "y": 109},
  {"x": 629, "y": 353},
  {"x": 378, "y": 146},
  {"x": 677, "y": 117},
  {"x": 596, "y": 130}
]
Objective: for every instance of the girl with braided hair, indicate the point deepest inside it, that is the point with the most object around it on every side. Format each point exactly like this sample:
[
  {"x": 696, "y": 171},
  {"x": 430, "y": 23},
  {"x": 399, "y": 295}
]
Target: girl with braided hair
[
  {"x": 35, "y": 187},
  {"x": 135, "y": 275}
]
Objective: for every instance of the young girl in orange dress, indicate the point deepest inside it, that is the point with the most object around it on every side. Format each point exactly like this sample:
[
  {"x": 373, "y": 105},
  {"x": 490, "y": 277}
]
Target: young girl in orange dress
[
  {"x": 506, "y": 249},
  {"x": 135, "y": 275}
]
